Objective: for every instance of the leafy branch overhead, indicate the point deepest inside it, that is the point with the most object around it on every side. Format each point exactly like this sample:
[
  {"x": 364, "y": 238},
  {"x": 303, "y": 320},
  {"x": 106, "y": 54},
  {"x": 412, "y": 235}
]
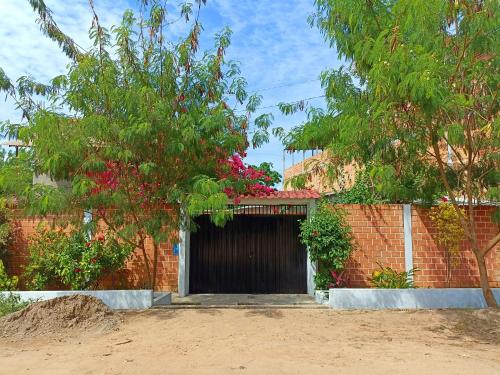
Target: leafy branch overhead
[
  {"x": 416, "y": 102},
  {"x": 138, "y": 127}
]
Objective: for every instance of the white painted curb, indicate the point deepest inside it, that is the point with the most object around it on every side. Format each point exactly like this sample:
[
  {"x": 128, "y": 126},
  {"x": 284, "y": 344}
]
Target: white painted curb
[
  {"x": 376, "y": 299},
  {"x": 114, "y": 299}
]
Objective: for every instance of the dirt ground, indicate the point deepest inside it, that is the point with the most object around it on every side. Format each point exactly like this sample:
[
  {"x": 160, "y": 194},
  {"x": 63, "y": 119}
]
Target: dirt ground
[{"x": 270, "y": 341}]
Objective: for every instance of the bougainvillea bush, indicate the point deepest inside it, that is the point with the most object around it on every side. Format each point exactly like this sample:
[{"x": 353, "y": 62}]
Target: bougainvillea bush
[
  {"x": 139, "y": 127},
  {"x": 73, "y": 260},
  {"x": 244, "y": 179},
  {"x": 329, "y": 241}
]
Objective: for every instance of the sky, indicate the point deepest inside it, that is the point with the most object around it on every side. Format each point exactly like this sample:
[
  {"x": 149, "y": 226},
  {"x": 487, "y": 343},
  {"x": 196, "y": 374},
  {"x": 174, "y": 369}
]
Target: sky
[{"x": 280, "y": 54}]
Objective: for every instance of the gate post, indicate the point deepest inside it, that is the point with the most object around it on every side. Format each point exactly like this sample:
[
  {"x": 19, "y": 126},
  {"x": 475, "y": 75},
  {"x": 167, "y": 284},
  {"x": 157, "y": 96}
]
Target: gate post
[
  {"x": 408, "y": 240},
  {"x": 183, "y": 268},
  {"x": 311, "y": 266}
]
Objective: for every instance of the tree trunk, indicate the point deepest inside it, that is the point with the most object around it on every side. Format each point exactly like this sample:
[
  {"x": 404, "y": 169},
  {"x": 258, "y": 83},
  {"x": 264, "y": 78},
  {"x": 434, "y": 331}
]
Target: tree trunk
[
  {"x": 483, "y": 277},
  {"x": 155, "y": 264},
  {"x": 146, "y": 264}
]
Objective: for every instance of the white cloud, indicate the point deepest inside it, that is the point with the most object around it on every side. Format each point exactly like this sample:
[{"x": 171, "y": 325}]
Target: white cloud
[{"x": 24, "y": 50}]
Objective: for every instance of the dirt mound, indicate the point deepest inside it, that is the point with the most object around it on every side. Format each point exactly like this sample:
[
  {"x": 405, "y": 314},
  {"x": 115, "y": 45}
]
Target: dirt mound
[{"x": 57, "y": 316}]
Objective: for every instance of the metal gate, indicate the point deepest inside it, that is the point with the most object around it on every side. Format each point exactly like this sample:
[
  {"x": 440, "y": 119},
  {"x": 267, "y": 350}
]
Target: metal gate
[{"x": 256, "y": 252}]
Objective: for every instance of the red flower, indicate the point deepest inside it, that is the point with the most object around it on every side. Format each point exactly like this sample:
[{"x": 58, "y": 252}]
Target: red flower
[
  {"x": 88, "y": 244},
  {"x": 100, "y": 238},
  {"x": 77, "y": 270},
  {"x": 93, "y": 260},
  {"x": 182, "y": 97}
]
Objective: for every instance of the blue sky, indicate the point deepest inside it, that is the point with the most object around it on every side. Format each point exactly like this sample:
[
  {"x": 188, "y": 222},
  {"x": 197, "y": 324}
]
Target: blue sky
[{"x": 271, "y": 39}]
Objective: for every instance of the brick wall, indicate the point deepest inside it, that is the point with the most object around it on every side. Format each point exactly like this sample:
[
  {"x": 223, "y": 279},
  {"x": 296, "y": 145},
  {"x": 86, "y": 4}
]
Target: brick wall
[
  {"x": 133, "y": 275},
  {"x": 431, "y": 259},
  {"x": 379, "y": 237}
]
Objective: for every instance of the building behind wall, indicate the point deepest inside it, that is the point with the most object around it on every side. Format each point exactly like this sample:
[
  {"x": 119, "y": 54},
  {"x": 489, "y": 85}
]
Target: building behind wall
[{"x": 315, "y": 172}]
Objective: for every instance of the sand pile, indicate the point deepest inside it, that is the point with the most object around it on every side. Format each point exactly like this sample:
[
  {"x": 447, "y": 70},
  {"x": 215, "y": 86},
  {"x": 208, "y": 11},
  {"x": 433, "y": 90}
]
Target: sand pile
[{"x": 58, "y": 315}]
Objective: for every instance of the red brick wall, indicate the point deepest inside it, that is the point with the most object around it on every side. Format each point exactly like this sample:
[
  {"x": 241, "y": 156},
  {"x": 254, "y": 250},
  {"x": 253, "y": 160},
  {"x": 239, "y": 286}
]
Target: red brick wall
[
  {"x": 431, "y": 259},
  {"x": 379, "y": 237},
  {"x": 132, "y": 276}
]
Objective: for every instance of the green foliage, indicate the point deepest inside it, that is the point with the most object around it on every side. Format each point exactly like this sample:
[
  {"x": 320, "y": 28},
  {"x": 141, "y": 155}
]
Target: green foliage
[
  {"x": 329, "y": 241},
  {"x": 391, "y": 279},
  {"x": 274, "y": 176},
  {"x": 73, "y": 260},
  {"x": 450, "y": 232},
  {"x": 6, "y": 282},
  {"x": 417, "y": 98},
  {"x": 16, "y": 175},
  {"x": 5, "y": 234},
  {"x": 44, "y": 250},
  {"x": 361, "y": 192},
  {"x": 322, "y": 279},
  {"x": 11, "y": 303},
  {"x": 419, "y": 75},
  {"x": 138, "y": 125}
]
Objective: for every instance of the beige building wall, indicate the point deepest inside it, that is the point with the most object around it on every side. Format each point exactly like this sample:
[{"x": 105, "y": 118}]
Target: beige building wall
[{"x": 318, "y": 178}]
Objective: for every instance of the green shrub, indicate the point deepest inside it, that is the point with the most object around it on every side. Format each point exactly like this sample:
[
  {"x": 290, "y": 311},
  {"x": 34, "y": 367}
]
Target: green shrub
[
  {"x": 73, "y": 260},
  {"x": 44, "y": 249},
  {"x": 328, "y": 238},
  {"x": 11, "y": 303},
  {"x": 388, "y": 278},
  {"x": 6, "y": 282},
  {"x": 5, "y": 234}
]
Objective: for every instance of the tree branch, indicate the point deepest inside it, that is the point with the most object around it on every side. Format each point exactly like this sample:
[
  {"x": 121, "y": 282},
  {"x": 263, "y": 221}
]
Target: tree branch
[{"x": 491, "y": 244}]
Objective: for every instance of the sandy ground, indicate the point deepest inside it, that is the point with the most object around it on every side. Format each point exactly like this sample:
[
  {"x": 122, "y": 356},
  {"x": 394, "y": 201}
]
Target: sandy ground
[{"x": 271, "y": 341}]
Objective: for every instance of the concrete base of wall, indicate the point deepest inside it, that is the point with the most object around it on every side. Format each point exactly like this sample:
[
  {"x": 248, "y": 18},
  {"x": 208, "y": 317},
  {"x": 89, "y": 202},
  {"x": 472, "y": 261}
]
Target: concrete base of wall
[
  {"x": 114, "y": 299},
  {"x": 321, "y": 297},
  {"x": 375, "y": 299},
  {"x": 162, "y": 298}
]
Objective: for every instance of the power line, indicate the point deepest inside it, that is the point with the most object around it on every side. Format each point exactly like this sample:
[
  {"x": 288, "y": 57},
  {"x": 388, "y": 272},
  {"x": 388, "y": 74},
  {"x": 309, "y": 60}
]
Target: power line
[
  {"x": 283, "y": 85},
  {"x": 292, "y": 103}
]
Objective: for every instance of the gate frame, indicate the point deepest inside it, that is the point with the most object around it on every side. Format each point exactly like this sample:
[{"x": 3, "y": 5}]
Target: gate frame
[{"x": 185, "y": 236}]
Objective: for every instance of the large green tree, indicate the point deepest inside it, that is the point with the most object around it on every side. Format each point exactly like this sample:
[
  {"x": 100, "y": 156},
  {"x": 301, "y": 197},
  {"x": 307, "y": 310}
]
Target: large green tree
[
  {"x": 138, "y": 127},
  {"x": 417, "y": 100}
]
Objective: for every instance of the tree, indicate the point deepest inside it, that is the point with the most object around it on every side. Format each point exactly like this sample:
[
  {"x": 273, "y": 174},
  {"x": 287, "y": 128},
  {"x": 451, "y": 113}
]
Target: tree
[
  {"x": 271, "y": 176},
  {"x": 418, "y": 100},
  {"x": 138, "y": 127}
]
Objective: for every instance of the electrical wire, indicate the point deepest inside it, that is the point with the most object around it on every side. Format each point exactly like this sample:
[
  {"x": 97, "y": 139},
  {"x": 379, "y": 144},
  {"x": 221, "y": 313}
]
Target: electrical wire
[
  {"x": 292, "y": 103},
  {"x": 283, "y": 85}
]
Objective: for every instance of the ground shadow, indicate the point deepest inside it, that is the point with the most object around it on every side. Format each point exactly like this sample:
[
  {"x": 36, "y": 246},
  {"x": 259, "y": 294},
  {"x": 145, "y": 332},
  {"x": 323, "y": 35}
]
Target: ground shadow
[
  {"x": 208, "y": 311},
  {"x": 481, "y": 326},
  {"x": 268, "y": 313}
]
